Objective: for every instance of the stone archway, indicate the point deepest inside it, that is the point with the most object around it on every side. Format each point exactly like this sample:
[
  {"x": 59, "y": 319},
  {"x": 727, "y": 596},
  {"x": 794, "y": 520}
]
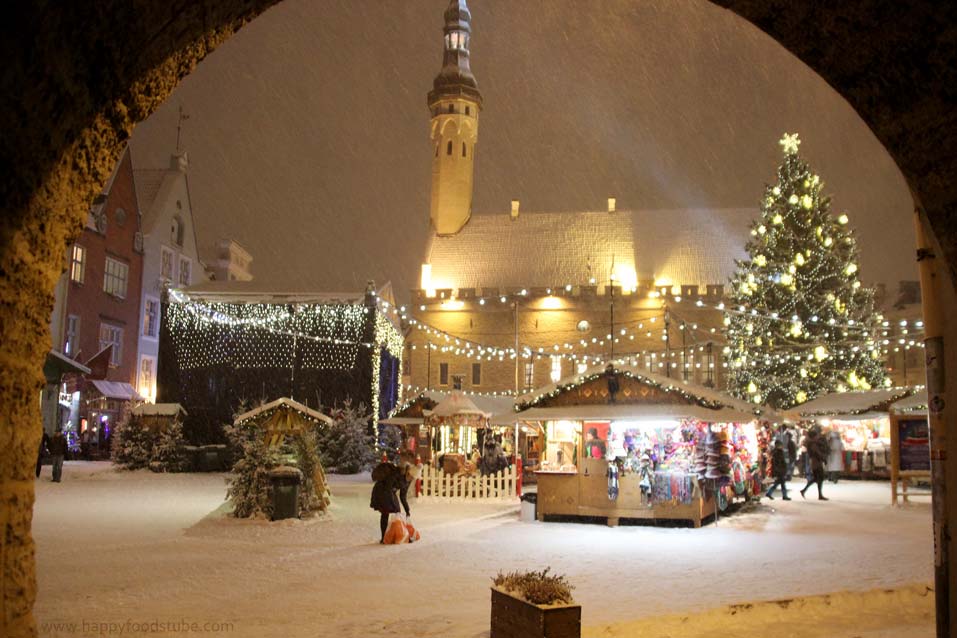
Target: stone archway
[{"x": 78, "y": 77}]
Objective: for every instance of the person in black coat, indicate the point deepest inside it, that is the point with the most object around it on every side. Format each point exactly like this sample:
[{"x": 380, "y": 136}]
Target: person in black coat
[
  {"x": 390, "y": 489},
  {"x": 44, "y": 441},
  {"x": 779, "y": 469},
  {"x": 816, "y": 446}
]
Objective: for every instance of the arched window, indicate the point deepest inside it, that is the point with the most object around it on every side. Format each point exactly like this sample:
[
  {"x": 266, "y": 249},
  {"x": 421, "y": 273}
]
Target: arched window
[
  {"x": 436, "y": 150},
  {"x": 448, "y": 150},
  {"x": 463, "y": 149},
  {"x": 177, "y": 230}
]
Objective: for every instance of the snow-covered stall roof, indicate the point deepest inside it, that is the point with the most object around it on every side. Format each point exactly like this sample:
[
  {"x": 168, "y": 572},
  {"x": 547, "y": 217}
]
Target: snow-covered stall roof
[
  {"x": 692, "y": 390},
  {"x": 860, "y": 404},
  {"x": 916, "y": 402},
  {"x": 159, "y": 409},
  {"x": 279, "y": 404}
]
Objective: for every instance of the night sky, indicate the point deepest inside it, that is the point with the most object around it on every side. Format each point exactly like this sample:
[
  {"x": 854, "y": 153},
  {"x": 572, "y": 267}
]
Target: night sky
[{"x": 308, "y": 131}]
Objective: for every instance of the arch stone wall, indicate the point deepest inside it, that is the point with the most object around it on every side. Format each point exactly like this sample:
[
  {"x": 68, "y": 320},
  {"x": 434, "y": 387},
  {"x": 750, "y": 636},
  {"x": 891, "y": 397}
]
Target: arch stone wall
[{"x": 78, "y": 76}]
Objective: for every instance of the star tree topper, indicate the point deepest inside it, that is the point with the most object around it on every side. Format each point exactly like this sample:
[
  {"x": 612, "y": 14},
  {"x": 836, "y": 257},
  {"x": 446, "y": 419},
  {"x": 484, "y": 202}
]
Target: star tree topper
[{"x": 790, "y": 143}]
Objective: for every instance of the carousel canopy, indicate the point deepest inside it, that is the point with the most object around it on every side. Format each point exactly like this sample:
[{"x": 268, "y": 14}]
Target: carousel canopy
[
  {"x": 283, "y": 404},
  {"x": 455, "y": 403},
  {"x": 862, "y": 404},
  {"x": 916, "y": 402}
]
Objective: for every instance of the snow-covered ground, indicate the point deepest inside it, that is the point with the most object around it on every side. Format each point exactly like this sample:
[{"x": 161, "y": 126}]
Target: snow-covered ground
[{"x": 128, "y": 548}]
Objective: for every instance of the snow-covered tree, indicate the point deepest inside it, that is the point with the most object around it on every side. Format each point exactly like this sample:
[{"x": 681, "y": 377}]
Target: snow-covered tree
[
  {"x": 169, "y": 449},
  {"x": 348, "y": 447},
  {"x": 132, "y": 445},
  {"x": 250, "y": 490},
  {"x": 389, "y": 441},
  {"x": 800, "y": 322}
]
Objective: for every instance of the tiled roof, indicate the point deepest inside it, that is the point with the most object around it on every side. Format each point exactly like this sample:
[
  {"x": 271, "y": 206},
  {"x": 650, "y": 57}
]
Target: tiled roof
[
  {"x": 148, "y": 182},
  {"x": 686, "y": 246}
]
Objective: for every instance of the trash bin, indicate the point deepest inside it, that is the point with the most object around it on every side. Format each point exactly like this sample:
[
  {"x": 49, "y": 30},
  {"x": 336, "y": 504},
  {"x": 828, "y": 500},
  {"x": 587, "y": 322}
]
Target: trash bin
[
  {"x": 285, "y": 482},
  {"x": 529, "y": 507}
]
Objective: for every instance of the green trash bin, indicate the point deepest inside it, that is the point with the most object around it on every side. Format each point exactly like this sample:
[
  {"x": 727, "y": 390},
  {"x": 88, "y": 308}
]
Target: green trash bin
[{"x": 285, "y": 482}]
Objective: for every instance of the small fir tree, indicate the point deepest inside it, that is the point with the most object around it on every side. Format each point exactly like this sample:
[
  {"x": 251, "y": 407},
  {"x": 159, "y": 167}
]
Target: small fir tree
[
  {"x": 169, "y": 449},
  {"x": 800, "y": 323},
  {"x": 349, "y": 444},
  {"x": 132, "y": 446}
]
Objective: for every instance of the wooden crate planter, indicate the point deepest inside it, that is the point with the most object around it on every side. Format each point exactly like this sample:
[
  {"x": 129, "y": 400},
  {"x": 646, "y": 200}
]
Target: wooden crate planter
[{"x": 515, "y": 618}]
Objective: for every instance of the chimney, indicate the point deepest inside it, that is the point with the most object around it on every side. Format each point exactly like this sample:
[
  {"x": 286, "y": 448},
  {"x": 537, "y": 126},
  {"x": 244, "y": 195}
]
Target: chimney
[
  {"x": 514, "y": 213},
  {"x": 611, "y": 204}
]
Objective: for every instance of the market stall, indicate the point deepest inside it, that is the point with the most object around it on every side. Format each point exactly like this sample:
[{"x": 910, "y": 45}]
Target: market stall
[
  {"x": 627, "y": 443},
  {"x": 857, "y": 425}
]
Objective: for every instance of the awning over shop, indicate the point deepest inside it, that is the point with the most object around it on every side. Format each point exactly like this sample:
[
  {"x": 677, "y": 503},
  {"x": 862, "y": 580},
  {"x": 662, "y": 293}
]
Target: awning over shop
[
  {"x": 624, "y": 412},
  {"x": 57, "y": 364},
  {"x": 117, "y": 390},
  {"x": 159, "y": 409}
]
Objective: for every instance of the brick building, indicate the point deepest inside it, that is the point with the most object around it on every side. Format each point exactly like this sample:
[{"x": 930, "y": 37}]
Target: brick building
[{"x": 98, "y": 306}]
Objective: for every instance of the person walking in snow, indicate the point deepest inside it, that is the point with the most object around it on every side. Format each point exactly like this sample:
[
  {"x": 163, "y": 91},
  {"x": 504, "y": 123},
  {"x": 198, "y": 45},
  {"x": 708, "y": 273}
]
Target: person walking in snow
[
  {"x": 44, "y": 442},
  {"x": 779, "y": 469},
  {"x": 835, "y": 455},
  {"x": 385, "y": 491},
  {"x": 58, "y": 452},
  {"x": 815, "y": 446},
  {"x": 791, "y": 448}
]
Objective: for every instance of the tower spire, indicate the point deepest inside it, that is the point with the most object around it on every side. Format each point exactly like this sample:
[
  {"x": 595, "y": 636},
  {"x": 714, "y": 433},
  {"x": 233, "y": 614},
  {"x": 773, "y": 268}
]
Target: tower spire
[
  {"x": 455, "y": 78},
  {"x": 454, "y": 103}
]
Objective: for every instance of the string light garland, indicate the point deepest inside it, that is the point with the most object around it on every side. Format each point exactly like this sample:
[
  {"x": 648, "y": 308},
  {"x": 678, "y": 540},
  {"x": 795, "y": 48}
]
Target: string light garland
[{"x": 798, "y": 298}]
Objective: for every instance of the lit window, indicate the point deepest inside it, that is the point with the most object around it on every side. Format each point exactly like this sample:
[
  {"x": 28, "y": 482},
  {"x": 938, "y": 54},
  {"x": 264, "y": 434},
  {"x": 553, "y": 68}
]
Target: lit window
[
  {"x": 147, "y": 387},
  {"x": 556, "y": 368},
  {"x": 72, "y": 345},
  {"x": 115, "y": 277},
  {"x": 78, "y": 264},
  {"x": 476, "y": 374},
  {"x": 529, "y": 374},
  {"x": 185, "y": 266},
  {"x": 112, "y": 335},
  {"x": 166, "y": 264},
  {"x": 151, "y": 311},
  {"x": 443, "y": 374}
]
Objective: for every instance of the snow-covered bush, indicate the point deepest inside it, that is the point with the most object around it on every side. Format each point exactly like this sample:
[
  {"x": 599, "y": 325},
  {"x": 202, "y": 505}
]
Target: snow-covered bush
[
  {"x": 169, "y": 449},
  {"x": 132, "y": 445},
  {"x": 249, "y": 489}
]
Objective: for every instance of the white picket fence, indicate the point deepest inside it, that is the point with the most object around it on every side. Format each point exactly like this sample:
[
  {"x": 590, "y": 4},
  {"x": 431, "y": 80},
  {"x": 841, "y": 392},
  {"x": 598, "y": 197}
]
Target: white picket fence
[{"x": 501, "y": 485}]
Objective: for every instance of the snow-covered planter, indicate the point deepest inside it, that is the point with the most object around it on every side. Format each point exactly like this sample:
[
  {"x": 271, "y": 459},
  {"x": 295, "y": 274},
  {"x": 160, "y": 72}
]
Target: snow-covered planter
[{"x": 553, "y": 614}]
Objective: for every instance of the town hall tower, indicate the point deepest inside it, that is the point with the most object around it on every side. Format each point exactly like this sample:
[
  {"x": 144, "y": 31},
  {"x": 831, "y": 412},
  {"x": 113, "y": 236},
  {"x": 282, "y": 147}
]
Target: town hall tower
[{"x": 454, "y": 103}]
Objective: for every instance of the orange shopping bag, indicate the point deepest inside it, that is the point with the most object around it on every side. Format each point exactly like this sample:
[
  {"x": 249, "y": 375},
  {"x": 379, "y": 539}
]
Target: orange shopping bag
[
  {"x": 396, "y": 533},
  {"x": 413, "y": 532}
]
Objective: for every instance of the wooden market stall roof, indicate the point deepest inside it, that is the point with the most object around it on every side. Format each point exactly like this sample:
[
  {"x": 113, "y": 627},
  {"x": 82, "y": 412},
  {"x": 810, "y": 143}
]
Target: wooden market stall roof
[
  {"x": 916, "y": 402},
  {"x": 159, "y": 409},
  {"x": 856, "y": 405},
  {"x": 641, "y": 395},
  {"x": 413, "y": 411},
  {"x": 283, "y": 404}
]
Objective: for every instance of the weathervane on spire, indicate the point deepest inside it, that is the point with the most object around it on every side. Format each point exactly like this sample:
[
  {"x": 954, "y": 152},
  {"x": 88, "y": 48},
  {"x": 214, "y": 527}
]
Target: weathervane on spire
[{"x": 790, "y": 143}]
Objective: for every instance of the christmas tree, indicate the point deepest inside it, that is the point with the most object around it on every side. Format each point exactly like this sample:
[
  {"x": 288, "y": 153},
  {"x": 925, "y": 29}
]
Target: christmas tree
[
  {"x": 348, "y": 447},
  {"x": 169, "y": 449},
  {"x": 390, "y": 439},
  {"x": 800, "y": 323},
  {"x": 132, "y": 446},
  {"x": 250, "y": 489}
]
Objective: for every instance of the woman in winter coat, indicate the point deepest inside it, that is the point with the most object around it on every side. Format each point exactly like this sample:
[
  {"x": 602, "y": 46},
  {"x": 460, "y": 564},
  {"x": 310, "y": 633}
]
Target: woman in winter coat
[
  {"x": 385, "y": 491},
  {"x": 835, "y": 455},
  {"x": 816, "y": 446}
]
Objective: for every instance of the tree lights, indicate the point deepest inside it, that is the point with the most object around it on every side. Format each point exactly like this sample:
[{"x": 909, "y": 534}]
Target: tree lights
[{"x": 803, "y": 324}]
